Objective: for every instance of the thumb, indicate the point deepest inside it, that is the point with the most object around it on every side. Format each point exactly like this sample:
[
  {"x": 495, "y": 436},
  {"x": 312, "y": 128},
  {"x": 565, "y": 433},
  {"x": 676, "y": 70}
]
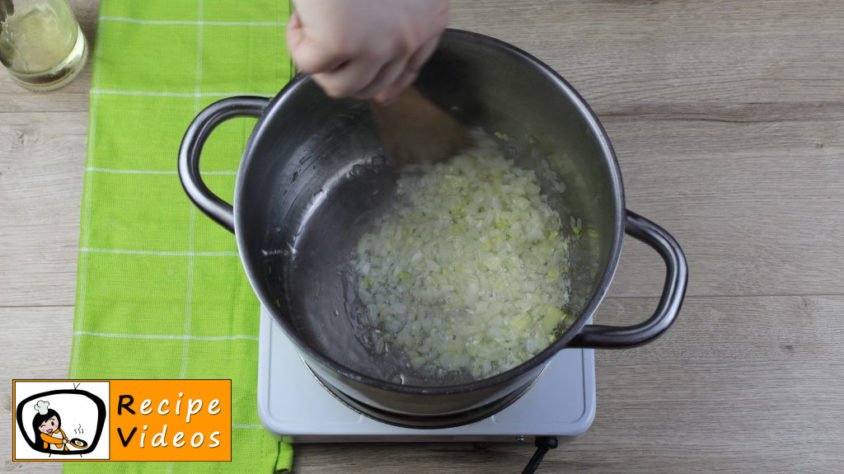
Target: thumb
[{"x": 309, "y": 56}]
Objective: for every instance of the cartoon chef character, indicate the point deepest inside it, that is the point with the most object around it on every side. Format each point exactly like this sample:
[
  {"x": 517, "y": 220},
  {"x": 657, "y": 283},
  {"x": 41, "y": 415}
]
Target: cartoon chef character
[{"x": 48, "y": 423}]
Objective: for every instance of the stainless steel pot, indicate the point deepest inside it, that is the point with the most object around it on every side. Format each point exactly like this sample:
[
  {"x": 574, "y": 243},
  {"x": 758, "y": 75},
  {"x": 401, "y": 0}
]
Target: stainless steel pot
[{"x": 313, "y": 166}]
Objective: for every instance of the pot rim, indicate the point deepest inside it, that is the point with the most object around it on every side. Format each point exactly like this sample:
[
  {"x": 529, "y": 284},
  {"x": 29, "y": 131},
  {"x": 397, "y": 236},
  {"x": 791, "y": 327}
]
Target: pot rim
[{"x": 276, "y": 106}]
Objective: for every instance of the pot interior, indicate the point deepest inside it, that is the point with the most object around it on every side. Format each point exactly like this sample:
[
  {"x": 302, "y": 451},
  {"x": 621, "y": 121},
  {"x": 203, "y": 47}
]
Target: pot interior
[{"x": 315, "y": 175}]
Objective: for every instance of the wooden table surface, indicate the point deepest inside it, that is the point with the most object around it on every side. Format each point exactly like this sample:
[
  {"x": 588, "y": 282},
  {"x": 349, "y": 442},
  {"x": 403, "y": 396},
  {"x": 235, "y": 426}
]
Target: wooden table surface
[{"x": 728, "y": 120}]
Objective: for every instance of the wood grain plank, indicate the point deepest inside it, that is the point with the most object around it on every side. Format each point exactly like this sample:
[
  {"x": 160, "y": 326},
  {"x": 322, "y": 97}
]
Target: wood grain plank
[
  {"x": 42, "y": 158},
  {"x": 27, "y": 333},
  {"x": 666, "y": 51},
  {"x": 728, "y": 118},
  {"x": 754, "y": 204},
  {"x": 730, "y": 191},
  {"x": 72, "y": 98},
  {"x": 739, "y": 384}
]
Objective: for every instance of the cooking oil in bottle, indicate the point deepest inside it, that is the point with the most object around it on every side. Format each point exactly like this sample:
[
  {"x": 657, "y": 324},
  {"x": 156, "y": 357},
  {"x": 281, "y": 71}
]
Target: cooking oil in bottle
[{"x": 41, "y": 43}]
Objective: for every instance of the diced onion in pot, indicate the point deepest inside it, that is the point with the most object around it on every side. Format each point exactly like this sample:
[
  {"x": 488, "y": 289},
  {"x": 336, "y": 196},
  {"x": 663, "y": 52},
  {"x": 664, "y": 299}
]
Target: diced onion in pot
[{"x": 468, "y": 273}]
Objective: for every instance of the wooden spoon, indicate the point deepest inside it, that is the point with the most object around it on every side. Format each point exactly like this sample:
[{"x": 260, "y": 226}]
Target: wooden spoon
[{"x": 414, "y": 130}]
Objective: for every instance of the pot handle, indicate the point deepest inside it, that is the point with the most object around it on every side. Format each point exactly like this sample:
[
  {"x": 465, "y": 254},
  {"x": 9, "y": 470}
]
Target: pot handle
[
  {"x": 199, "y": 131},
  {"x": 596, "y": 336}
]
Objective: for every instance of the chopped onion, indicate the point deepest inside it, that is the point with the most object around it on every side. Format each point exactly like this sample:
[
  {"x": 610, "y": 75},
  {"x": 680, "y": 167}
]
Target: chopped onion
[{"x": 467, "y": 274}]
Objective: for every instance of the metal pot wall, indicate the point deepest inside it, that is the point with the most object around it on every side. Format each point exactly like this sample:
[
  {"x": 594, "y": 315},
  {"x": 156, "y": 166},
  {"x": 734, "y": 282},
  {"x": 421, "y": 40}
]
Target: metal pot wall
[{"x": 311, "y": 169}]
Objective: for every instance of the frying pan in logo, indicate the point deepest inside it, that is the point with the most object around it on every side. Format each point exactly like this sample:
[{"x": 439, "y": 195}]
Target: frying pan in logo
[{"x": 78, "y": 443}]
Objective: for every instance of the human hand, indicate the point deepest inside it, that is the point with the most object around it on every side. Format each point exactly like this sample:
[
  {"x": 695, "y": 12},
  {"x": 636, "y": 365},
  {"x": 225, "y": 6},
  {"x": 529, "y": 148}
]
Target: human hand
[{"x": 366, "y": 49}]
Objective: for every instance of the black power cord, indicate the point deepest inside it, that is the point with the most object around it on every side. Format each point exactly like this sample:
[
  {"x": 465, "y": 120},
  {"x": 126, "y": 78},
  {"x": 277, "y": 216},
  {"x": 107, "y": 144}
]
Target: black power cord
[{"x": 543, "y": 445}]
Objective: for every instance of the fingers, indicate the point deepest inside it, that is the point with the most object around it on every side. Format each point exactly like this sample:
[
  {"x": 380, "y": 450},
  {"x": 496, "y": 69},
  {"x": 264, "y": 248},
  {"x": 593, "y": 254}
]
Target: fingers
[
  {"x": 376, "y": 55},
  {"x": 348, "y": 79},
  {"x": 388, "y": 93},
  {"x": 388, "y": 74},
  {"x": 309, "y": 56},
  {"x": 397, "y": 74},
  {"x": 423, "y": 53}
]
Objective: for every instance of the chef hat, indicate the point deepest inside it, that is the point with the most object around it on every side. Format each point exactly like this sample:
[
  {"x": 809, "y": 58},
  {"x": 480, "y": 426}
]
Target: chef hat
[{"x": 41, "y": 406}]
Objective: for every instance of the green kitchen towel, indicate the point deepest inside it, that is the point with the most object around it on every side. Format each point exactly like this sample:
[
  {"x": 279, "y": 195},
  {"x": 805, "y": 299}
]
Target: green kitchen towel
[{"x": 160, "y": 291}]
